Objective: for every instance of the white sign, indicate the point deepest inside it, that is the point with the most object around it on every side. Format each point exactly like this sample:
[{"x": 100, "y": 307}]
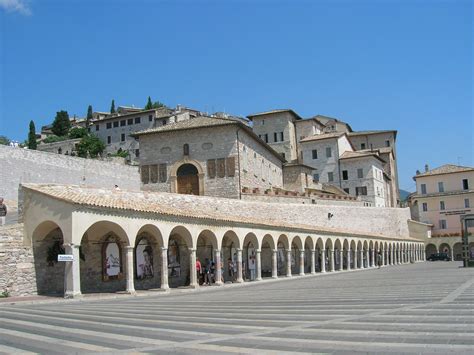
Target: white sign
[{"x": 65, "y": 257}]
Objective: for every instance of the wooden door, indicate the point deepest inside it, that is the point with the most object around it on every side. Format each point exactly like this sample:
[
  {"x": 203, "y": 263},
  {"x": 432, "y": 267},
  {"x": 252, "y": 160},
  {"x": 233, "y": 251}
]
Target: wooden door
[{"x": 188, "y": 184}]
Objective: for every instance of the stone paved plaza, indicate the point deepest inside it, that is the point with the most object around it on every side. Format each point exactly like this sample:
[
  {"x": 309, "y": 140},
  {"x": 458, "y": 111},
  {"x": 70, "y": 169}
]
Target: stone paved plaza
[{"x": 414, "y": 308}]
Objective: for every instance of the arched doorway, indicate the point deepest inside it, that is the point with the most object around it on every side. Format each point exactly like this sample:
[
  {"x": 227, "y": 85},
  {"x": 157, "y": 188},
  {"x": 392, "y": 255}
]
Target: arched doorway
[{"x": 188, "y": 179}]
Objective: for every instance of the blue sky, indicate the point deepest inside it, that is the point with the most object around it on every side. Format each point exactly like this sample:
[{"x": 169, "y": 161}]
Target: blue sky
[{"x": 404, "y": 65}]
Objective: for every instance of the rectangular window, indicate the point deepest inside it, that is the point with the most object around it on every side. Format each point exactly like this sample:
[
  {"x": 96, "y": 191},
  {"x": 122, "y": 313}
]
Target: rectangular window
[
  {"x": 122, "y": 137},
  {"x": 330, "y": 177},
  {"x": 361, "y": 191},
  {"x": 466, "y": 203},
  {"x": 130, "y": 121},
  {"x": 315, "y": 154},
  {"x": 275, "y": 137},
  {"x": 220, "y": 167},
  {"x": 441, "y": 205},
  {"x": 346, "y": 190},
  {"x": 316, "y": 177},
  {"x": 281, "y": 137},
  {"x": 211, "y": 168},
  {"x": 109, "y": 139},
  {"x": 150, "y": 118},
  {"x": 123, "y": 123},
  {"x": 440, "y": 186},
  {"x": 266, "y": 138},
  {"x": 116, "y": 124},
  {"x": 145, "y": 173},
  {"x": 283, "y": 155},
  {"x": 137, "y": 153},
  {"x": 360, "y": 173},
  {"x": 442, "y": 224},
  {"x": 163, "y": 175},
  {"x": 97, "y": 127},
  {"x": 328, "y": 152},
  {"x": 109, "y": 125},
  {"x": 153, "y": 173},
  {"x": 362, "y": 146},
  {"x": 387, "y": 143},
  {"x": 230, "y": 164},
  {"x": 163, "y": 122},
  {"x": 425, "y": 207},
  {"x": 465, "y": 184},
  {"x": 137, "y": 120},
  {"x": 423, "y": 189},
  {"x": 345, "y": 175}
]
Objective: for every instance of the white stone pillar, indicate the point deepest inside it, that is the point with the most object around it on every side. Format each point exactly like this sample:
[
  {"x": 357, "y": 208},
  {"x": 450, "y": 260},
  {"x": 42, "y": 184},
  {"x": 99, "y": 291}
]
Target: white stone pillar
[
  {"x": 288, "y": 263},
  {"x": 451, "y": 253},
  {"x": 313, "y": 262},
  {"x": 323, "y": 260},
  {"x": 341, "y": 260},
  {"x": 356, "y": 260},
  {"x": 361, "y": 261},
  {"x": 348, "y": 257},
  {"x": 258, "y": 257},
  {"x": 274, "y": 264},
  {"x": 129, "y": 269},
  {"x": 72, "y": 272},
  {"x": 372, "y": 251},
  {"x": 399, "y": 256},
  {"x": 239, "y": 266},
  {"x": 193, "y": 282},
  {"x": 301, "y": 262},
  {"x": 391, "y": 256},
  {"x": 368, "y": 258},
  {"x": 331, "y": 261},
  {"x": 382, "y": 252},
  {"x": 218, "y": 262},
  {"x": 164, "y": 269}
]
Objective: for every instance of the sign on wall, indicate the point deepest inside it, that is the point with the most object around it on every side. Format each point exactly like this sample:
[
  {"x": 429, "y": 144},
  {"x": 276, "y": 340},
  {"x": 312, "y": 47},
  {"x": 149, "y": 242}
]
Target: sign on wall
[{"x": 65, "y": 257}]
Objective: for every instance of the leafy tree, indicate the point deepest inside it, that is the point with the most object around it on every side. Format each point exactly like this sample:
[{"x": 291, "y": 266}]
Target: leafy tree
[
  {"x": 61, "y": 124},
  {"x": 149, "y": 104},
  {"x": 77, "y": 132},
  {"x": 54, "y": 139},
  {"x": 32, "y": 136},
  {"x": 90, "y": 146},
  {"x": 4, "y": 140},
  {"x": 112, "y": 107},
  {"x": 89, "y": 116},
  {"x": 158, "y": 104}
]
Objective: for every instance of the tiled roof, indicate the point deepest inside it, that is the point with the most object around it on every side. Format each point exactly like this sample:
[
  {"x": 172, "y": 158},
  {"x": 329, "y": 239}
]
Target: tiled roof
[
  {"x": 275, "y": 111},
  {"x": 357, "y": 154},
  {"x": 364, "y": 133},
  {"x": 198, "y": 122},
  {"x": 318, "y": 137},
  {"x": 446, "y": 169},
  {"x": 189, "y": 206}
]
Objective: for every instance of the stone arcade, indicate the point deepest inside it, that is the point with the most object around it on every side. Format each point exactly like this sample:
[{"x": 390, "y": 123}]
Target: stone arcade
[{"x": 125, "y": 241}]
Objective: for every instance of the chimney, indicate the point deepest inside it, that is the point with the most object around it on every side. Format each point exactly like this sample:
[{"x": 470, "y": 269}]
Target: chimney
[
  {"x": 427, "y": 168},
  {"x": 418, "y": 172}
]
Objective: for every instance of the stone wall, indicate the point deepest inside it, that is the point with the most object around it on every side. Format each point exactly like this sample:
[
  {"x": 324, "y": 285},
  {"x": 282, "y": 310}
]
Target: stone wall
[
  {"x": 17, "y": 273},
  {"x": 24, "y": 165}
]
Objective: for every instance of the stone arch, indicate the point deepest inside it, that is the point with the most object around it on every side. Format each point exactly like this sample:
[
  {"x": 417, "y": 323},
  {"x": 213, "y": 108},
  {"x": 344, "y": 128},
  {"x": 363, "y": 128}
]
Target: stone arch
[
  {"x": 308, "y": 251},
  {"x": 206, "y": 245},
  {"x": 457, "y": 251},
  {"x": 229, "y": 251},
  {"x": 296, "y": 247},
  {"x": 353, "y": 245},
  {"x": 103, "y": 257},
  {"x": 346, "y": 249},
  {"x": 338, "y": 258},
  {"x": 445, "y": 248},
  {"x": 48, "y": 242},
  {"x": 268, "y": 245},
  {"x": 249, "y": 256},
  {"x": 174, "y": 174},
  {"x": 283, "y": 246},
  {"x": 147, "y": 256},
  {"x": 180, "y": 246},
  {"x": 319, "y": 246},
  {"x": 430, "y": 249}
]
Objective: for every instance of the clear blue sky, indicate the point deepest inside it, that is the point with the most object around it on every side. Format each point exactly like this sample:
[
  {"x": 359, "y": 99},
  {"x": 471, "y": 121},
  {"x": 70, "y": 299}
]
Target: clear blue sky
[{"x": 404, "y": 65}]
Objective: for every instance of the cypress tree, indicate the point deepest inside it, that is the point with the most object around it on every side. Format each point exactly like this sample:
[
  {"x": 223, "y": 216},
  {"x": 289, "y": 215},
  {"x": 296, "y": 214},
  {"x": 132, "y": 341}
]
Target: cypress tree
[
  {"x": 32, "y": 136},
  {"x": 61, "y": 124},
  {"x": 149, "y": 104},
  {"x": 112, "y": 107},
  {"x": 89, "y": 116}
]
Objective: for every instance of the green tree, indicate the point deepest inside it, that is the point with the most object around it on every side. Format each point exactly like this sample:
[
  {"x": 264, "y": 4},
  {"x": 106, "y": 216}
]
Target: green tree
[
  {"x": 4, "y": 140},
  {"x": 112, "y": 107},
  {"x": 158, "y": 104},
  {"x": 89, "y": 116},
  {"x": 90, "y": 146},
  {"x": 61, "y": 124},
  {"x": 77, "y": 132},
  {"x": 32, "y": 136},
  {"x": 149, "y": 104}
]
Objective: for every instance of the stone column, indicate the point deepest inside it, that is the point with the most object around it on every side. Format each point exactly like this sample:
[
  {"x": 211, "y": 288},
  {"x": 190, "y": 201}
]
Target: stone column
[
  {"x": 274, "y": 264},
  {"x": 331, "y": 260},
  {"x": 367, "y": 257},
  {"x": 451, "y": 253},
  {"x": 313, "y": 262},
  {"x": 288, "y": 263},
  {"x": 382, "y": 252},
  {"x": 193, "y": 282},
  {"x": 301, "y": 262},
  {"x": 341, "y": 260},
  {"x": 164, "y": 269},
  {"x": 348, "y": 257},
  {"x": 392, "y": 262},
  {"x": 217, "y": 257},
  {"x": 258, "y": 257},
  {"x": 72, "y": 272},
  {"x": 372, "y": 251},
  {"x": 361, "y": 261},
  {"x": 129, "y": 269},
  {"x": 399, "y": 256},
  {"x": 239, "y": 266},
  {"x": 356, "y": 260},
  {"x": 323, "y": 260}
]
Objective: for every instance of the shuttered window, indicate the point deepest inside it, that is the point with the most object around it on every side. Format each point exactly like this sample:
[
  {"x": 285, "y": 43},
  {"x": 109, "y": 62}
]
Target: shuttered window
[
  {"x": 145, "y": 174},
  {"x": 211, "y": 168}
]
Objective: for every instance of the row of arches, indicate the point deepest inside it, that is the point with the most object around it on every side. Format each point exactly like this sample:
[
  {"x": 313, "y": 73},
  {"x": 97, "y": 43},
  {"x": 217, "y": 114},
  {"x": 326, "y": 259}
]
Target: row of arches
[
  {"x": 109, "y": 258},
  {"x": 454, "y": 249}
]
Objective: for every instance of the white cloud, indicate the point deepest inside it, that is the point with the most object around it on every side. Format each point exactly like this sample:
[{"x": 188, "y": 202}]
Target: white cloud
[{"x": 20, "y": 6}]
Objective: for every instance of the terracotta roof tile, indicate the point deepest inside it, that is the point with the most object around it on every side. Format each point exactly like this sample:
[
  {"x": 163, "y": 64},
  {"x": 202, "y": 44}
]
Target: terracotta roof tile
[{"x": 446, "y": 169}]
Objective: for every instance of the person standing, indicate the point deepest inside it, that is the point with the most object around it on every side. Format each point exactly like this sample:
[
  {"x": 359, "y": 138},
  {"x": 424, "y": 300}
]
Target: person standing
[
  {"x": 230, "y": 269},
  {"x": 379, "y": 259},
  {"x": 252, "y": 268},
  {"x": 198, "y": 271},
  {"x": 3, "y": 212}
]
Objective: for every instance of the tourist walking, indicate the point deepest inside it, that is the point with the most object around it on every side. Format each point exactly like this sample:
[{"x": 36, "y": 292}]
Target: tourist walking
[
  {"x": 379, "y": 259},
  {"x": 230, "y": 269},
  {"x": 3, "y": 212}
]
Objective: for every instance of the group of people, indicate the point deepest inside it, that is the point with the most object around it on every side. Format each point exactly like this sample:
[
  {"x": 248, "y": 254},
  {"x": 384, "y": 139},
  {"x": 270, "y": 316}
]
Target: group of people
[{"x": 206, "y": 272}]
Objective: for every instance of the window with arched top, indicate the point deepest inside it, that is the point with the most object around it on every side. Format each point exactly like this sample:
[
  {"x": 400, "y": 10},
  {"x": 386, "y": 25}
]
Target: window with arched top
[{"x": 186, "y": 149}]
